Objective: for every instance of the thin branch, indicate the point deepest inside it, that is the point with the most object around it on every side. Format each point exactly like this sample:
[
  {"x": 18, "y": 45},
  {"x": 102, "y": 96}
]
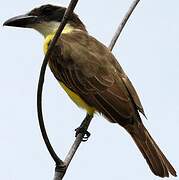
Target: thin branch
[
  {"x": 68, "y": 12},
  {"x": 85, "y": 124},
  {"x": 122, "y": 24},
  {"x": 60, "y": 172}
]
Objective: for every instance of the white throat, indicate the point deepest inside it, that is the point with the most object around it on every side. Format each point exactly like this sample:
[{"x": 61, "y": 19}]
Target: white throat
[{"x": 47, "y": 28}]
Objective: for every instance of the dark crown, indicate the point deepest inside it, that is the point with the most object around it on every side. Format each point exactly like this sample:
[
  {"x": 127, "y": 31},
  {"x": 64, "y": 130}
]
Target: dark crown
[{"x": 55, "y": 13}]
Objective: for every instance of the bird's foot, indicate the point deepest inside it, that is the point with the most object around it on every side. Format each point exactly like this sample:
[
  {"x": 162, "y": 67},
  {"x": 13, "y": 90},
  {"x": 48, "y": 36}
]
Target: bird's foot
[{"x": 83, "y": 131}]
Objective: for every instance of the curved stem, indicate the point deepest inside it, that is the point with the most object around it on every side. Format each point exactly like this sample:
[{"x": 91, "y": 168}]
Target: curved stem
[{"x": 68, "y": 12}]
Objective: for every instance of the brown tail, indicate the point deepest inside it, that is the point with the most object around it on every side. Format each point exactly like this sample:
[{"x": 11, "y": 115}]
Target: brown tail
[{"x": 156, "y": 160}]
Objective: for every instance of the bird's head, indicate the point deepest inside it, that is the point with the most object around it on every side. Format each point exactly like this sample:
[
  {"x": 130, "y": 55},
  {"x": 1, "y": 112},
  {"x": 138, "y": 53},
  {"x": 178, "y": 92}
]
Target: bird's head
[{"x": 45, "y": 19}]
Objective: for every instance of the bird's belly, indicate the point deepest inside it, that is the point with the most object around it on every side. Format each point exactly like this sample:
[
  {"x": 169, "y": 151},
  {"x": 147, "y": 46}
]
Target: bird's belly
[{"x": 77, "y": 100}]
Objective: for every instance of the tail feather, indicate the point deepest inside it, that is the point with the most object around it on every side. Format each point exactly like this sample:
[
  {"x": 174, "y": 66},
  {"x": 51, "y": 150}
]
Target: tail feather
[
  {"x": 156, "y": 160},
  {"x": 168, "y": 165}
]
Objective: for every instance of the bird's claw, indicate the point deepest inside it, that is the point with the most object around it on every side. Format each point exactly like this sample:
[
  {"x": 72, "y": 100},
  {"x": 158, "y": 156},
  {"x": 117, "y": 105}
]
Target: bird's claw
[{"x": 83, "y": 131}]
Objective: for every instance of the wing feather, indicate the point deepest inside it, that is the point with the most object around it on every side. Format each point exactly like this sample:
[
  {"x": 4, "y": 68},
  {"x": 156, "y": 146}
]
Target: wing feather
[{"x": 94, "y": 75}]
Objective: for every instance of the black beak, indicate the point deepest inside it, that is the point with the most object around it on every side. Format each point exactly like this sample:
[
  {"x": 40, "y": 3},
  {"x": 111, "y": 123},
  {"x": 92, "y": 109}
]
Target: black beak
[{"x": 21, "y": 21}]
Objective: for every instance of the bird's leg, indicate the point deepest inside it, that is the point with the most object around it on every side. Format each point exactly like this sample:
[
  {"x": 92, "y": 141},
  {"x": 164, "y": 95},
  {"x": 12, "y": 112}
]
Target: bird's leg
[{"x": 82, "y": 129}]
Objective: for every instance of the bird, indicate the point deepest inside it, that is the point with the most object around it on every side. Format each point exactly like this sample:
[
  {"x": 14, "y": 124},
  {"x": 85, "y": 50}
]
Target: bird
[{"x": 93, "y": 78}]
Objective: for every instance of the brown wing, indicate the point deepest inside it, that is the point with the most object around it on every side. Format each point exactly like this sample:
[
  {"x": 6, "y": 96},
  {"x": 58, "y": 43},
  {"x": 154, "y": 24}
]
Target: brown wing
[
  {"x": 133, "y": 94},
  {"x": 90, "y": 70}
]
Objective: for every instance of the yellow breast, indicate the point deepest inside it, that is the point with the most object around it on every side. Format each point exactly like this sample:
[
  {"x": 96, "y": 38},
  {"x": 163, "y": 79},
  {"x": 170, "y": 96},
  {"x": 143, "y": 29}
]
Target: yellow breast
[
  {"x": 75, "y": 98},
  {"x": 67, "y": 29}
]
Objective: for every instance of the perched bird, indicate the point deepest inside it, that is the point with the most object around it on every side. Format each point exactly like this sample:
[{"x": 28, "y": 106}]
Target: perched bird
[{"x": 92, "y": 77}]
